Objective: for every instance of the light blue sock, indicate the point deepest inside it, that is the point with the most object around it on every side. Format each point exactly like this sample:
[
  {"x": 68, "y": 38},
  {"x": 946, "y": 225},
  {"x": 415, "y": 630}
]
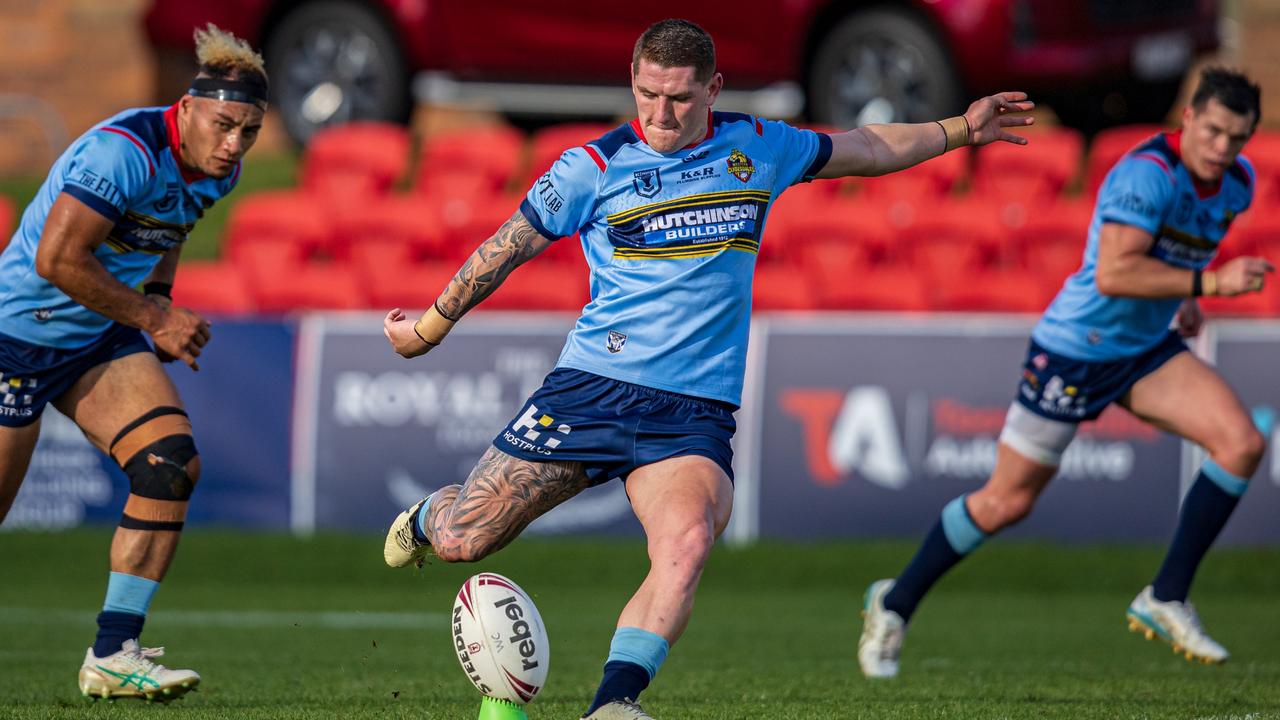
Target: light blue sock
[
  {"x": 129, "y": 594},
  {"x": 420, "y": 522},
  {"x": 639, "y": 647},
  {"x": 962, "y": 533}
]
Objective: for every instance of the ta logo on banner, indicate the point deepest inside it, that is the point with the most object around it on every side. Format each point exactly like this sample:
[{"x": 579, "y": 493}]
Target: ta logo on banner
[{"x": 648, "y": 183}]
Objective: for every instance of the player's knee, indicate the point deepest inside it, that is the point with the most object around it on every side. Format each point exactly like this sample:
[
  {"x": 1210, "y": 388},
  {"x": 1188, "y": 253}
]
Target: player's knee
[
  {"x": 995, "y": 511},
  {"x": 1242, "y": 450},
  {"x": 159, "y": 456},
  {"x": 684, "y": 552}
]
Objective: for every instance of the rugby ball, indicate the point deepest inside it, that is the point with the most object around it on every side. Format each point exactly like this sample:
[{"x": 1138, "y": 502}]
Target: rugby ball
[{"x": 500, "y": 639}]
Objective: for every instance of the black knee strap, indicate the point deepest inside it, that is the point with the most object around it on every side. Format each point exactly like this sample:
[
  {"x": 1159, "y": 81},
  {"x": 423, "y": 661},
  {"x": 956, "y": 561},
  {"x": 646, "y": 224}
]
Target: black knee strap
[{"x": 159, "y": 470}]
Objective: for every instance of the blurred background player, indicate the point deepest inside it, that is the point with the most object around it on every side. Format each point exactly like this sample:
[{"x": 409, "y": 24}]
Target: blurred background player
[
  {"x": 113, "y": 214},
  {"x": 1160, "y": 216},
  {"x": 647, "y": 384}
]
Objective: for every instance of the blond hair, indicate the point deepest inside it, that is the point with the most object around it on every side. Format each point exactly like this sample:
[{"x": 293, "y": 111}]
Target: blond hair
[{"x": 226, "y": 56}]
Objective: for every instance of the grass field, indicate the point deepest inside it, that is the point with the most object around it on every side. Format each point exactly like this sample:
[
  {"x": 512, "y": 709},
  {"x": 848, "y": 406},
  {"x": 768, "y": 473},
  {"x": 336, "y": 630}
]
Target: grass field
[{"x": 287, "y": 628}]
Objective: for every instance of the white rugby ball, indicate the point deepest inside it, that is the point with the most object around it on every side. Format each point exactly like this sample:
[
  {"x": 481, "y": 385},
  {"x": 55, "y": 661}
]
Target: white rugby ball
[{"x": 500, "y": 639}]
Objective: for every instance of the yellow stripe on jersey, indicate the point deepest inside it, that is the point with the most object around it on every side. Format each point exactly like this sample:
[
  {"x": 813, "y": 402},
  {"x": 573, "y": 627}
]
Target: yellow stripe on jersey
[
  {"x": 115, "y": 244},
  {"x": 726, "y": 196},
  {"x": 681, "y": 252}
]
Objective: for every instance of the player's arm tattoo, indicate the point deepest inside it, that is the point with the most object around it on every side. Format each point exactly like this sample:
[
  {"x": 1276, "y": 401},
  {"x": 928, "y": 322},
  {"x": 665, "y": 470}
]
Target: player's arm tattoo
[
  {"x": 500, "y": 498},
  {"x": 514, "y": 244}
]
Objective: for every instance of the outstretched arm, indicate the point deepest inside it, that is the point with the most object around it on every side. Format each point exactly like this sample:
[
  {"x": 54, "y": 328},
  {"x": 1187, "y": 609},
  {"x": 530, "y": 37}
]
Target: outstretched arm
[
  {"x": 514, "y": 244},
  {"x": 882, "y": 149}
]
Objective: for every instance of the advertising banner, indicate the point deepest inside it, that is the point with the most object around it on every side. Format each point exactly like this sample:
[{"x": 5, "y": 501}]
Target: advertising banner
[
  {"x": 374, "y": 433},
  {"x": 239, "y": 404},
  {"x": 867, "y": 427},
  {"x": 1248, "y": 355}
]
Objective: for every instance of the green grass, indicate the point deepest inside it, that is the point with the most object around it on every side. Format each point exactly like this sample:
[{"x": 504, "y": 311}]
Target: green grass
[
  {"x": 260, "y": 172},
  {"x": 1020, "y": 630}
]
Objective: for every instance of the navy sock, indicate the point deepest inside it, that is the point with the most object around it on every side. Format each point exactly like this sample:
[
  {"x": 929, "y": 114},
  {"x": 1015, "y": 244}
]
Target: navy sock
[
  {"x": 1205, "y": 510},
  {"x": 952, "y": 537},
  {"x": 622, "y": 679},
  {"x": 113, "y": 629}
]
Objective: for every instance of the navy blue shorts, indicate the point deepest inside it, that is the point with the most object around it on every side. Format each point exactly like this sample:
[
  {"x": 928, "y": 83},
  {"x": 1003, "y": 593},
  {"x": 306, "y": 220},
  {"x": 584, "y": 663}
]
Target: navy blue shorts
[
  {"x": 33, "y": 375},
  {"x": 1069, "y": 390},
  {"x": 613, "y": 427}
]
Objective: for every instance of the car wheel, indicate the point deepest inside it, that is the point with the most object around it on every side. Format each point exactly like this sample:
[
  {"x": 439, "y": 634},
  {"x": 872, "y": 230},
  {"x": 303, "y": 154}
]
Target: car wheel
[
  {"x": 332, "y": 63},
  {"x": 881, "y": 66}
]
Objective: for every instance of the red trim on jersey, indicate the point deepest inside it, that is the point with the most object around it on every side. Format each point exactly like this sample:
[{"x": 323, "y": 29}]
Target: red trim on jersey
[
  {"x": 759, "y": 127},
  {"x": 1203, "y": 190},
  {"x": 1155, "y": 158},
  {"x": 175, "y": 145},
  {"x": 595, "y": 156},
  {"x": 150, "y": 165}
]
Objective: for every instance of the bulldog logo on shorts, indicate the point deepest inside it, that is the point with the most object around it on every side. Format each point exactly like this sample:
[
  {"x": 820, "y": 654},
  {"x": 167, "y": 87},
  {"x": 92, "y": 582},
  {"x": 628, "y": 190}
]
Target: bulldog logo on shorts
[{"x": 615, "y": 341}]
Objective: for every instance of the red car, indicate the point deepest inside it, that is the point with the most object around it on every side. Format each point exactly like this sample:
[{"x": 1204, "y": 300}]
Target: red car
[{"x": 1097, "y": 62}]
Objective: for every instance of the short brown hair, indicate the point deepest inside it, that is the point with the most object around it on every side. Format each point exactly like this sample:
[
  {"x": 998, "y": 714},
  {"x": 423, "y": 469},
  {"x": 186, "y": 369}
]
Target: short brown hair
[{"x": 677, "y": 43}]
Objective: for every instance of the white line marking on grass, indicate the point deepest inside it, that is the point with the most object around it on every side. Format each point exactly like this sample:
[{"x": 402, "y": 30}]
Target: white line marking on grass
[{"x": 247, "y": 619}]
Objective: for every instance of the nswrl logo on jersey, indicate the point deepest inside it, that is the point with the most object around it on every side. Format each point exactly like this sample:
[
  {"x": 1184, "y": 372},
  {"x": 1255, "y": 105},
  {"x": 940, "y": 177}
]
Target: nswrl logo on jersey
[
  {"x": 537, "y": 435},
  {"x": 648, "y": 183}
]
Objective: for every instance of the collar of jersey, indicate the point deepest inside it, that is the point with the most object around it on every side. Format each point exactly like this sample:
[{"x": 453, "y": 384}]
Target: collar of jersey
[
  {"x": 175, "y": 145},
  {"x": 1203, "y": 190},
  {"x": 711, "y": 130}
]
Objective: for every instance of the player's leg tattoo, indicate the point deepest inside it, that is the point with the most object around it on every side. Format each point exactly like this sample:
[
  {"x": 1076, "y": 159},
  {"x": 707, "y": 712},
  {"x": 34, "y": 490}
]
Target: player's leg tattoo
[{"x": 500, "y": 498}]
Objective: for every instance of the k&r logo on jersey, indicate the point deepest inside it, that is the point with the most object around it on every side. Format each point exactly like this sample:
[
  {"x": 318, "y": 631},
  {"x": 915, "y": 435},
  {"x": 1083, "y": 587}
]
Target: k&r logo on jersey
[{"x": 538, "y": 435}]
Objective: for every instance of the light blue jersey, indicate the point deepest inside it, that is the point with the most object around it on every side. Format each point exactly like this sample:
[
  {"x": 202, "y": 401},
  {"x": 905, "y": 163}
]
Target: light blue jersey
[
  {"x": 1150, "y": 189},
  {"x": 671, "y": 241},
  {"x": 124, "y": 169}
]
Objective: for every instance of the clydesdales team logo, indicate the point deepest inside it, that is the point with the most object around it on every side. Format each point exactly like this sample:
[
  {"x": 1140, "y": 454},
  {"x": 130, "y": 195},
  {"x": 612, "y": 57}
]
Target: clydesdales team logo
[
  {"x": 615, "y": 341},
  {"x": 740, "y": 166},
  {"x": 648, "y": 183},
  {"x": 16, "y": 391},
  {"x": 540, "y": 431}
]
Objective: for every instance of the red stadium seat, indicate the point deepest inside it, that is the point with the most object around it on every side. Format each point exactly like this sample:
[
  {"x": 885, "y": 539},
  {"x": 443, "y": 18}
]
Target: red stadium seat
[
  {"x": 846, "y": 239},
  {"x": 212, "y": 287},
  {"x": 778, "y": 287},
  {"x": 550, "y": 143},
  {"x": 1028, "y": 174},
  {"x": 1263, "y": 151},
  {"x": 1051, "y": 244},
  {"x": 796, "y": 204},
  {"x": 279, "y": 216},
  {"x": 410, "y": 286},
  {"x": 406, "y": 219},
  {"x": 923, "y": 183},
  {"x": 993, "y": 291},
  {"x": 883, "y": 288},
  {"x": 489, "y": 153},
  {"x": 540, "y": 286},
  {"x": 8, "y": 214},
  {"x": 310, "y": 286},
  {"x": 355, "y": 160},
  {"x": 953, "y": 237},
  {"x": 1109, "y": 146}
]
